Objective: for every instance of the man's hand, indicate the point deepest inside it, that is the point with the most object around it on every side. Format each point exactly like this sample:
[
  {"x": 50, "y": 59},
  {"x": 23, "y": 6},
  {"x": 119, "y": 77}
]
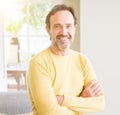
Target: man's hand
[
  {"x": 60, "y": 99},
  {"x": 92, "y": 89}
]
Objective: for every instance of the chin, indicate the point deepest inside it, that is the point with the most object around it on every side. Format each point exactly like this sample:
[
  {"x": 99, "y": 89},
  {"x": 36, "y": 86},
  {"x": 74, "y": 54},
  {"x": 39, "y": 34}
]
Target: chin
[{"x": 65, "y": 48}]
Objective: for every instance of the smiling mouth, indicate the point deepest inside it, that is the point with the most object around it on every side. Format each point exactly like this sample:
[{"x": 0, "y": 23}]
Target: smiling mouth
[{"x": 62, "y": 36}]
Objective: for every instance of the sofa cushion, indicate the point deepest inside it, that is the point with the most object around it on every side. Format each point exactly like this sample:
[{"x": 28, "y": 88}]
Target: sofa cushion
[{"x": 17, "y": 102}]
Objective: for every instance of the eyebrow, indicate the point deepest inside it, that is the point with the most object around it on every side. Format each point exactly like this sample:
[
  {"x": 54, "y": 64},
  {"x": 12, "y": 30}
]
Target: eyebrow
[{"x": 61, "y": 24}]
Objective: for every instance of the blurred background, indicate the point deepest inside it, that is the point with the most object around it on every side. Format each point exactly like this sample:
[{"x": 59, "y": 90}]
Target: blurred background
[{"x": 23, "y": 34}]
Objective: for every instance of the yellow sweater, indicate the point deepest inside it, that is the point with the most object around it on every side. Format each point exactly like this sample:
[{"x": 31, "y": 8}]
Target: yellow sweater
[{"x": 50, "y": 75}]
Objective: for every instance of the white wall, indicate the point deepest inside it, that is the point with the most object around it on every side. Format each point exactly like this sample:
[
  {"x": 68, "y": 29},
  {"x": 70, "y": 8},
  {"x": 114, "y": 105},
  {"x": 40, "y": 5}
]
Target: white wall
[{"x": 100, "y": 41}]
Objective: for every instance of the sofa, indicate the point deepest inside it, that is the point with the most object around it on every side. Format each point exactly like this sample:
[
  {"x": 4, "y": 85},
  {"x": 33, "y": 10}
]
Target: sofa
[{"x": 15, "y": 103}]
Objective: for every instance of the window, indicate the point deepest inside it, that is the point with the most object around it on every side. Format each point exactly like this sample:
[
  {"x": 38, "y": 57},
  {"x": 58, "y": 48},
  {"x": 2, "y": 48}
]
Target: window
[{"x": 24, "y": 36}]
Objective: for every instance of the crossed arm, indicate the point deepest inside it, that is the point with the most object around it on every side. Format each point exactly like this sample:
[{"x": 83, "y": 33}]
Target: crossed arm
[
  {"x": 92, "y": 89},
  {"x": 91, "y": 99}
]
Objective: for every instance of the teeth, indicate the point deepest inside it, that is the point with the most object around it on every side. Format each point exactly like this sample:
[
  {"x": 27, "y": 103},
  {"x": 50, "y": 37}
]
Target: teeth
[{"x": 61, "y": 36}]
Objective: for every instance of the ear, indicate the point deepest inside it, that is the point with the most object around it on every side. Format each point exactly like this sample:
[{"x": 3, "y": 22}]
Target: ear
[{"x": 47, "y": 29}]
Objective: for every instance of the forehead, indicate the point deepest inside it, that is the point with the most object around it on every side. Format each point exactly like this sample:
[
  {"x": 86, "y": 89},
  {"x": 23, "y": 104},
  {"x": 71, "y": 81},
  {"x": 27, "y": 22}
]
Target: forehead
[{"x": 62, "y": 17}]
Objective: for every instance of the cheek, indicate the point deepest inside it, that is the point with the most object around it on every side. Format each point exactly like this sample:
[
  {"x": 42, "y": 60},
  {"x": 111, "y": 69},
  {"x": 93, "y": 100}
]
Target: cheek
[
  {"x": 54, "y": 33},
  {"x": 72, "y": 32}
]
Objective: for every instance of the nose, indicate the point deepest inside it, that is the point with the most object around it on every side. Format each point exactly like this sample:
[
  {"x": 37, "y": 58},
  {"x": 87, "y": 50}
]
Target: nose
[{"x": 64, "y": 31}]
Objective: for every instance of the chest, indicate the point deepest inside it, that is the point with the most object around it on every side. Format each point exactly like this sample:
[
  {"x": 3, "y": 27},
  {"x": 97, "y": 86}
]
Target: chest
[{"x": 66, "y": 77}]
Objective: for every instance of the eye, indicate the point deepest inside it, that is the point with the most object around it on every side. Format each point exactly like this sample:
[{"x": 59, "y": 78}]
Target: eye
[
  {"x": 57, "y": 26},
  {"x": 69, "y": 26}
]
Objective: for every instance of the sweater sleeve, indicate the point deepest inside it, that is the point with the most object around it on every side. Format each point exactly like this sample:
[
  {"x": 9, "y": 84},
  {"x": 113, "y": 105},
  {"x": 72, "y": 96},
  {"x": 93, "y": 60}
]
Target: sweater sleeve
[
  {"x": 43, "y": 98},
  {"x": 85, "y": 105}
]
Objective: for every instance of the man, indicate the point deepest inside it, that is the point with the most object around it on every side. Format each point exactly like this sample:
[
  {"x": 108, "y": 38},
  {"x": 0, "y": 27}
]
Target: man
[{"x": 62, "y": 81}]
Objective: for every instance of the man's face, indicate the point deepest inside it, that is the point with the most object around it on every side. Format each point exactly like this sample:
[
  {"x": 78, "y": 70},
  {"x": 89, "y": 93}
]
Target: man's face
[{"x": 62, "y": 29}]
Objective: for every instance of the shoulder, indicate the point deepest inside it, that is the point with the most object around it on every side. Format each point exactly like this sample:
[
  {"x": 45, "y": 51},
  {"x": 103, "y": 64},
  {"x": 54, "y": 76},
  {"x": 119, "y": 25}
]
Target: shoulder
[
  {"x": 80, "y": 58},
  {"x": 79, "y": 55},
  {"x": 41, "y": 56}
]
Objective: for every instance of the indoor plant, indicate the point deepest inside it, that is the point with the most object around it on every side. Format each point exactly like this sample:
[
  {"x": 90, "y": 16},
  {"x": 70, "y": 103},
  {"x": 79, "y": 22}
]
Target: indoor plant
[{"x": 13, "y": 28}]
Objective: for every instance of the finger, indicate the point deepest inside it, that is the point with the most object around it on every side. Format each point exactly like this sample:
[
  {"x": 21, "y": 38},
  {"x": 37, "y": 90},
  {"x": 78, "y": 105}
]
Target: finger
[
  {"x": 91, "y": 84},
  {"x": 97, "y": 91},
  {"x": 95, "y": 85},
  {"x": 94, "y": 88}
]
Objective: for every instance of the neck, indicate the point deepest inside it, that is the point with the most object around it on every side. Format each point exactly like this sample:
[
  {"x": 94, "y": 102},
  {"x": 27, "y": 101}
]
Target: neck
[{"x": 59, "y": 52}]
